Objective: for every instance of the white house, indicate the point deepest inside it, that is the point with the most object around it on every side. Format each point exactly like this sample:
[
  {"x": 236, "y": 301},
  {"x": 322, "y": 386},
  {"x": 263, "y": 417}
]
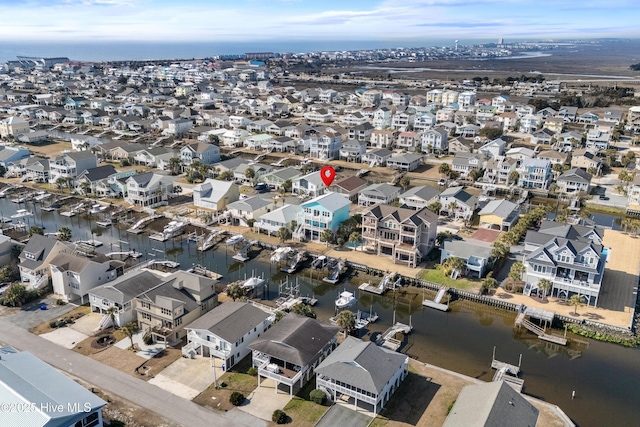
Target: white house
[
  {"x": 271, "y": 222},
  {"x": 310, "y": 184},
  {"x": 215, "y": 195},
  {"x": 73, "y": 276}
]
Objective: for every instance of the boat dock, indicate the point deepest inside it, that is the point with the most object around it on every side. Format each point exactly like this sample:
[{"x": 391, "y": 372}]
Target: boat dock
[
  {"x": 252, "y": 282},
  {"x": 105, "y": 222},
  {"x": 387, "y": 338},
  {"x": 211, "y": 240},
  {"x": 243, "y": 254},
  {"x": 507, "y": 372},
  {"x": 541, "y": 333},
  {"x": 335, "y": 271},
  {"x": 436, "y": 303},
  {"x": 125, "y": 254},
  {"x": 139, "y": 225},
  {"x": 386, "y": 283},
  {"x": 293, "y": 265}
]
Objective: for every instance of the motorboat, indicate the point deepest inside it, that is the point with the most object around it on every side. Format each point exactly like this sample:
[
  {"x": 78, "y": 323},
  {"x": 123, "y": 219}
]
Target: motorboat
[
  {"x": 21, "y": 213},
  {"x": 97, "y": 208},
  {"x": 345, "y": 299},
  {"x": 173, "y": 227},
  {"x": 234, "y": 239}
]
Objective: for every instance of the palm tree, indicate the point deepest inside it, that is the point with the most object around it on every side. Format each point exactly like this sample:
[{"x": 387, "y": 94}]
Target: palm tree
[
  {"x": 576, "y": 301},
  {"x": 500, "y": 250},
  {"x": 489, "y": 282},
  {"x": 326, "y": 236},
  {"x": 130, "y": 329},
  {"x": 455, "y": 264},
  {"x": 15, "y": 294},
  {"x": 284, "y": 234},
  {"x": 35, "y": 230},
  {"x": 516, "y": 271},
  {"x": 444, "y": 169},
  {"x": 304, "y": 310},
  {"x": 235, "y": 291},
  {"x": 175, "y": 165},
  {"x": 545, "y": 285},
  {"x": 111, "y": 312},
  {"x": 346, "y": 321},
  {"x": 404, "y": 182},
  {"x": 514, "y": 177},
  {"x": 451, "y": 207},
  {"x": 355, "y": 238},
  {"x": 64, "y": 234},
  {"x": 435, "y": 207},
  {"x": 249, "y": 173},
  {"x": 293, "y": 225}
]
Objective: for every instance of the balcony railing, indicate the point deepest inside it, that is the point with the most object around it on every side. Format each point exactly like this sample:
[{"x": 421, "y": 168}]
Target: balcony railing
[
  {"x": 284, "y": 375},
  {"x": 162, "y": 330},
  {"x": 330, "y": 385}
]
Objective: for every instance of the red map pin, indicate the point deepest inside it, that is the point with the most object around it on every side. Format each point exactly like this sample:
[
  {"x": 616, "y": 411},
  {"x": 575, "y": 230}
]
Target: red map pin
[{"x": 327, "y": 173}]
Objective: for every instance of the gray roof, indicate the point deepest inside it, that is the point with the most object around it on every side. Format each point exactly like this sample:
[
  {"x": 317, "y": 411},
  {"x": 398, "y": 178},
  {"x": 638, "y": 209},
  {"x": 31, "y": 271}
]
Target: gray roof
[
  {"x": 98, "y": 173},
  {"x": 405, "y": 158},
  {"x": 251, "y": 204},
  {"x": 493, "y": 404},
  {"x": 127, "y": 287},
  {"x": 295, "y": 339},
  {"x": 575, "y": 175},
  {"x": 465, "y": 249},
  {"x": 460, "y": 195},
  {"x": 424, "y": 192},
  {"x": 330, "y": 201},
  {"x": 362, "y": 365},
  {"x": 25, "y": 378},
  {"x": 167, "y": 294},
  {"x": 502, "y": 208},
  {"x": 423, "y": 216},
  {"x": 38, "y": 245},
  {"x": 382, "y": 189},
  {"x": 230, "y": 321}
]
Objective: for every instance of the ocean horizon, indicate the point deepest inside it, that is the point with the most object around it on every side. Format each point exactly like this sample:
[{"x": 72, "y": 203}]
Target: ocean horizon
[{"x": 123, "y": 51}]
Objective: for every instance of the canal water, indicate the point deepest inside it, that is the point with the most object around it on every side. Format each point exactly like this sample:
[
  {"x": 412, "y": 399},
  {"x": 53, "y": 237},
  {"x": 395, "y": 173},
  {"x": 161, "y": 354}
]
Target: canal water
[{"x": 605, "y": 377}]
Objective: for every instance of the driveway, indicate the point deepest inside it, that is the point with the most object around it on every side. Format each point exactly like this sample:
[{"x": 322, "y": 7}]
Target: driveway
[
  {"x": 265, "y": 399},
  {"x": 187, "y": 378},
  {"x": 146, "y": 351},
  {"x": 87, "y": 324},
  {"x": 339, "y": 415},
  {"x": 65, "y": 337},
  {"x": 30, "y": 315}
]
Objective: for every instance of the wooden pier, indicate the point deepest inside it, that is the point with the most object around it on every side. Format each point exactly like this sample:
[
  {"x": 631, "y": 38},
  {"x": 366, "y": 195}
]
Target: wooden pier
[
  {"x": 507, "y": 372},
  {"x": 436, "y": 301},
  {"x": 387, "y": 338},
  {"x": 540, "y": 332}
]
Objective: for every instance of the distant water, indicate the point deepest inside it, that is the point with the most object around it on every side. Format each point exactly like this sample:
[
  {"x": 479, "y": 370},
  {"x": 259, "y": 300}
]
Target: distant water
[{"x": 114, "y": 51}]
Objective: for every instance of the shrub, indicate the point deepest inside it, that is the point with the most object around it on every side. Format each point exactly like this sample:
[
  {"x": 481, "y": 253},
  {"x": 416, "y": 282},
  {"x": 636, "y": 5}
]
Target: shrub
[
  {"x": 279, "y": 417},
  {"x": 148, "y": 339},
  {"x": 519, "y": 289},
  {"x": 318, "y": 396},
  {"x": 252, "y": 371},
  {"x": 53, "y": 324},
  {"x": 60, "y": 301},
  {"x": 236, "y": 398},
  {"x": 116, "y": 423},
  {"x": 124, "y": 162}
]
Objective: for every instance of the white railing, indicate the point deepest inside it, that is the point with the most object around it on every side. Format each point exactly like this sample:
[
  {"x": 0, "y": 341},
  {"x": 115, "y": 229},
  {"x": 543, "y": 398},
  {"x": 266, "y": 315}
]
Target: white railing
[
  {"x": 263, "y": 371},
  {"x": 329, "y": 385},
  {"x": 192, "y": 337}
]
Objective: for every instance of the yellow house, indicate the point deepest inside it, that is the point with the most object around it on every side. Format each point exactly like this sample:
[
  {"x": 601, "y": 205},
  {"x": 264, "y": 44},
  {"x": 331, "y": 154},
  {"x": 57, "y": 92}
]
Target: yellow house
[{"x": 499, "y": 215}]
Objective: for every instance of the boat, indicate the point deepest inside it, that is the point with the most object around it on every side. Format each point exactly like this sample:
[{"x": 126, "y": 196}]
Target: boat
[
  {"x": 234, "y": 239},
  {"x": 319, "y": 262},
  {"x": 105, "y": 222},
  {"x": 5, "y": 219},
  {"x": 97, "y": 208},
  {"x": 293, "y": 265},
  {"x": 280, "y": 254},
  {"x": 335, "y": 270},
  {"x": 345, "y": 299},
  {"x": 173, "y": 227},
  {"x": 41, "y": 196},
  {"x": 252, "y": 282},
  {"x": 21, "y": 213}
]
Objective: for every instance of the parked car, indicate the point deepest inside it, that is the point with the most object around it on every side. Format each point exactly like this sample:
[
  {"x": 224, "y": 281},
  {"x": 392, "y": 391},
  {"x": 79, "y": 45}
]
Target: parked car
[{"x": 261, "y": 187}]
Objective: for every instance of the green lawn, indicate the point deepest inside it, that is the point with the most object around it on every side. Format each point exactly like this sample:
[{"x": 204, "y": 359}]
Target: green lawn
[{"x": 435, "y": 275}]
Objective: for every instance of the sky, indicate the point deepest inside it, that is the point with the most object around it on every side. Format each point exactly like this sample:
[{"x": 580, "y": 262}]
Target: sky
[{"x": 254, "y": 20}]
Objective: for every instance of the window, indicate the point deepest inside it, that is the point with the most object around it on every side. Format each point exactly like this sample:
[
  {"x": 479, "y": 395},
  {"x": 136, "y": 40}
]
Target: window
[
  {"x": 165, "y": 311},
  {"x": 179, "y": 321},
  {"x": 146, "y": 316},
  {"x": 146, "y": 305}
]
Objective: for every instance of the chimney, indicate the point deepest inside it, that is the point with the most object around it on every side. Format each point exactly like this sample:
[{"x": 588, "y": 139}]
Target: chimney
[{"x": 179, "y": 285}]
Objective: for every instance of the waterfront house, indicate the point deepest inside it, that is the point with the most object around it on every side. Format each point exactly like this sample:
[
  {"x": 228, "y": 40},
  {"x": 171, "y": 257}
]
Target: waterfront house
[
  {"x": 271, "y": 222},
  {"x": 277, "y": 178},
  {"x": 9, "y": 154},
  {"x": 434, "y": 140},
  {"x": 570, "y": 256},
  {"x": 87, "y": 181},
  {"x": 70, "y": 165},
  {"x": 378, "y": 193},
  {"x": 464, "y": 163},
  {"x": 574, "y": 180},
  {"x": 121, "y": 292},
  {"x": 362, "y": 371},
  {"x": 408, "y": 140},
  {"x": 325, "y": 146},
  {"x": 322, "y": 213},
  {"x": 493, "y": 148},
  {"x": 361, "y": 132},
  {"x": 491, "y": 404},
  {"x": 48, "y": 397},
  {"x": 349, "y": 187},
  {"x": 13, "y": 126},
  {"x": 498, "y": 169},
  {"x": 405, "y": 235},
  {"x": 35, "y": 258},
  {"x": 310, "y": 184},
  {"x": 214, "y": 195},
  {"x": 382, "y": 138},
  {"x": 251, "y": 208},
  {"x": 420, "y": 197},
  {"x": 164, "y": 310},
  {"x": 404, "y": 162},
  {"x": 154, "y": 157},
  {"x": 377, "y": 157},
  {"x": 292, "y": 349},
  {"x": 535, "y": 174},
  {"x": 200, "y": 152},
  {"x": 456, "y": 202},
  {"x": 475, "y": 256},
  {"x": 73, "y": 276},
  {"x": 148, "y": 189},
  {"x": 352, "y": 150},
  {"x": 499, "y": 215},
  {"x": 226, "y": 332}
]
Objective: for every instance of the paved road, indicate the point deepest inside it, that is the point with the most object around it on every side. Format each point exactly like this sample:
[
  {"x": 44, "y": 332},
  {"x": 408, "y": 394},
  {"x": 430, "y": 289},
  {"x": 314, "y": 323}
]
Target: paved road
[{"x": 109, "y": 379}]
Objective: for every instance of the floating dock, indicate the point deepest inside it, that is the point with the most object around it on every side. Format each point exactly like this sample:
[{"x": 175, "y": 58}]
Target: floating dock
[
  {"x": 436, "y": 301},
  {"x": 243, "y": 254},
  {"x": 507, "y": 372},
  {"x": 387, "y": 338},
  {"x": 540, "y": 332},
  {"x": 387, "y": 282}
]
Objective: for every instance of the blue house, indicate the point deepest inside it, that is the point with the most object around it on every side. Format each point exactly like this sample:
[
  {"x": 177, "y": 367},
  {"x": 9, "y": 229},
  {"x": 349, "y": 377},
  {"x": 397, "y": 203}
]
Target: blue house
[
  {"x": 324, "y": 212},
  {"x": 10, "y": 154}
]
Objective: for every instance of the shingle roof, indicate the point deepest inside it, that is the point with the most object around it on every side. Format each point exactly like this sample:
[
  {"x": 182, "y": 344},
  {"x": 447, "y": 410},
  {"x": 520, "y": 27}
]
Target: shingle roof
[
  {"x": 127, "y": 287},
  {"x": 101, "y": 172},
  {"x": 362, "y": 365},
  {"x": 424, "y": 192},
  {"x": 502, "y": 208},
  {"x": 230, "y": 321}
]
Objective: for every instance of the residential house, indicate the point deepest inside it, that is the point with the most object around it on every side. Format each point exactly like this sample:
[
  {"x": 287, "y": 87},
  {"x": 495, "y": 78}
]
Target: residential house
[
  {"x": 240, "y": 171},
  {"x": 361, "y": 132},
  {"x": 310, "y": 184},
  {"x": 535, "y": 174},
  {"x": 614, "y": 116},
  {"x": 420, "y": 197},
  {"x": 325, "y": 146},
  {"x": 424, "y": 121},
  {"x": 402, "y": 234},
  {"x": 456, "y": 202},
  {"x": 277, "y": 178},
  {"x": 530, "y": 123},
  {"x": 234, "y": 137},
  {"x": 568, "y": 114},
  {"x": 542, "y": 136},
  {"x": 588, "y": 117},
  {"x": 352, "y": 150},
  {"x": 381, "y": 138},
  {"x": 464, "y": 163},
  {"x": 475, "y": 256},
  {"x": 148, "y": 189},
  {"x": 200, "y": 152},
  {"x": 570, "y": 256},
  {"x": 154, "y": 157},
  {"x": 6, "y": 250},
  {"x": 363, "y": 372},
  {"x": 118, "y": 150},
  {"x": 408, "y": 141},
  {"x": 491, "y": 404},
  {"x": 378, "y": 193},
  {"x": 382, "y": 118},
  {"x": 42, "y": 396},
  {"x": 497, "y": 170},
  {"x": 121, "y": 292},
  {"x": 322, "y": 213},
  {"x": 574, "y": 180},
  {"x": 445, "y": 115},
  {"x": 493, "y": 148},
  {"x": 73, "y": 276},
  {"x": 13, "y": 126},
  {"x": 554, "y": 157},
  {"x": 177, "y": 127},
  {"x": 9, "y": 154},
  {"x": 499, "y": 215},
  {"x": 35, "y": 258},
  {"x": 598, "y": 139},
  {"x": 460, "y": 145},
  {"x": 164, "y": 310},
  {"x": 88, "y": 180},
  {"x": 271, "y": 222},
  {"x": 258, "y": 142},
  {"x": 349, "y": 187},
  {"x": 435, "y": 140},
  {"x": 376, "y": 157},
  {"x": 292, "y": 349},
  {"x": 70, "y": 165},
  {"x": 251, "y": 208},
  {"x": 214, "y": 195},
  {"x": 633, "y": 198},
  {"x": 226, "y": 332},
  {"x": 404, "y": 162},
  {"x": 554, "y": 124}
]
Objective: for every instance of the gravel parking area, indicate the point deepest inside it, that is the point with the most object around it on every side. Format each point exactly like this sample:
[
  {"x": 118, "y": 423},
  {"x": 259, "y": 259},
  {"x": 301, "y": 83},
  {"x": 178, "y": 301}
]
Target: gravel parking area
[{"x": 30, "y": 315}]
